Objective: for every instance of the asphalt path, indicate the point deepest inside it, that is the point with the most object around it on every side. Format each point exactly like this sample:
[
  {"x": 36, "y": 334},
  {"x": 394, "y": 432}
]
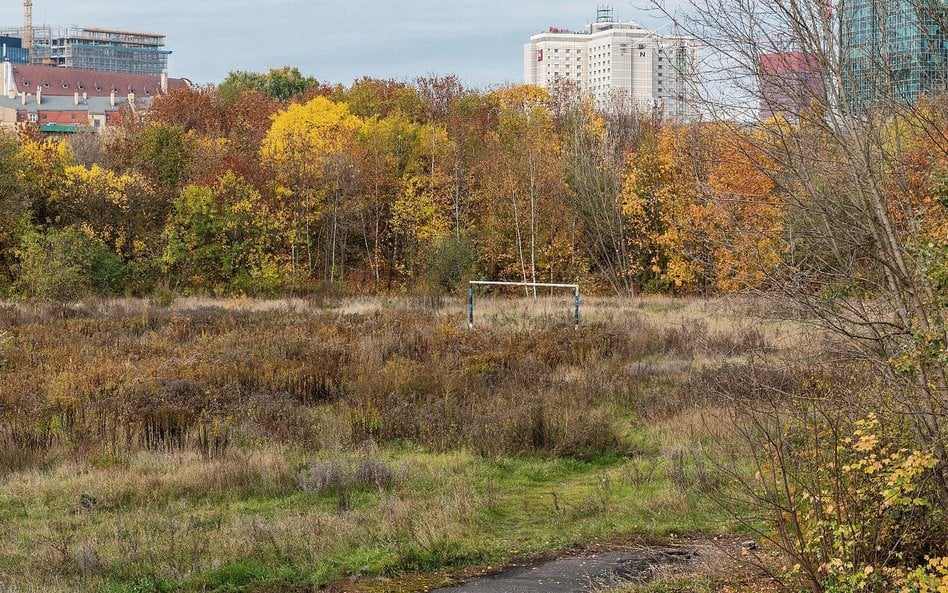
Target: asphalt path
[{"x": 579, "y": 574}]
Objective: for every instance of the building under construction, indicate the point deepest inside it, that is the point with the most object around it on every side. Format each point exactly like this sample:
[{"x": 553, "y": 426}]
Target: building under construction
[{"x": 104, "y": 50}]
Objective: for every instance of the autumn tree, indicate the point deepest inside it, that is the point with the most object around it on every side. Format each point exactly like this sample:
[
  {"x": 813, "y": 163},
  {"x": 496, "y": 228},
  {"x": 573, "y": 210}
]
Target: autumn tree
[
  {"x": 859, "y": 200},
  {"x": 119, "y": 210},
  {"x": 654, "y": 192},
  {"x": 529, "y": 235},
  {"x": 371, "y": 97},
  {"x": 222, "y": 238},
  {"x": 749, "y": 237},
  {"x": 40, "y": 170},
  {"x": 309, "y": 148},
  {"x": 163, "y": 155},
  {"x": 14, "y": 210},
  {"x": 596, "y": 145},
  {"x": 197, "y": 109},
  {"x": 420, "y": 212}
]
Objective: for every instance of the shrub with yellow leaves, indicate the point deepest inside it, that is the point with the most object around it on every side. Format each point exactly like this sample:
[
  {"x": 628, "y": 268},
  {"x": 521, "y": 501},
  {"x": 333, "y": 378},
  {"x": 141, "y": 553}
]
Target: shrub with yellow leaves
[
  {"x": 931, "y": 578},
  {"x": 862, "y": 514}
]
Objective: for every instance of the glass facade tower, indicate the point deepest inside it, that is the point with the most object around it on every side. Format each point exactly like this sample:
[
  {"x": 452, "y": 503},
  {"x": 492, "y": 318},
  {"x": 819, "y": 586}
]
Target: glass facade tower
[{"x": 893, "y": 49}]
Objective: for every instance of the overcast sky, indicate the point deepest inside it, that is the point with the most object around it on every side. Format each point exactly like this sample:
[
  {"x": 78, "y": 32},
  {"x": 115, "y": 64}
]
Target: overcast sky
[{"x": 335, "y": 40}]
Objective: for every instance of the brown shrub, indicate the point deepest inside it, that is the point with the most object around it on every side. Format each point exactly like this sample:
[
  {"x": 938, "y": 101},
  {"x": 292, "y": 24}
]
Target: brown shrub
[{"x": 207, "y": 379}]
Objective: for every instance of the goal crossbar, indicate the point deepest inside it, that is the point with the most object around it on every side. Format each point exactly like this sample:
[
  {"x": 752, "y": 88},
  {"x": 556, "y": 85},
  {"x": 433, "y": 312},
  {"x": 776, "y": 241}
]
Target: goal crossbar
[
  {"x": 473, "y": 283},
  {"x": 526, "y": 284}
]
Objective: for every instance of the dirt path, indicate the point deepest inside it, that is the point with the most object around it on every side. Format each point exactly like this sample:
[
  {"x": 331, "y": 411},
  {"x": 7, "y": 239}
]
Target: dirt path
[{"x": 581, "y": 574}]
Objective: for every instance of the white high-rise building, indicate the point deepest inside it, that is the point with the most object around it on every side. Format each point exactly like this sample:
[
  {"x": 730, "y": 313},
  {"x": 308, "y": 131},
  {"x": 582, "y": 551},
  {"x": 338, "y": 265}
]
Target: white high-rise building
[{"x": 609, "y": 58}]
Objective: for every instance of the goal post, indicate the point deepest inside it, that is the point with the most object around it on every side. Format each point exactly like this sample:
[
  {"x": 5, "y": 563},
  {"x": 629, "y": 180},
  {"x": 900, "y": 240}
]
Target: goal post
[{"x": 475, "y": 283}]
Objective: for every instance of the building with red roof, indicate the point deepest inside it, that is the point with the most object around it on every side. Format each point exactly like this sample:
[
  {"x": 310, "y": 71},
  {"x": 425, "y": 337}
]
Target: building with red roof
[
  {"x": 64, "y": 82},
  {"x": 64, "y": 99},
  {"x": 790, "y": 82}
]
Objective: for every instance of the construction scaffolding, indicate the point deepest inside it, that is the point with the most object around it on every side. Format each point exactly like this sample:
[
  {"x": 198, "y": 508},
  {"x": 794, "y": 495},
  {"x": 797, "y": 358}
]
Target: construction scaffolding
[{"x": 105, "y": 50}]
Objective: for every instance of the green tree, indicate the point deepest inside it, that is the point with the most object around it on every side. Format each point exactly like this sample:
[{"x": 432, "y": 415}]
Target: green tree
[
  {"x": 14, "y": 211},
  {"x": 282, "y": 84},
  {"x": 451, "y": 263},
  {"x": 164, "y": 154},
  {"x": 220, "y": 239},
  {"x": 65, "y": 264}
]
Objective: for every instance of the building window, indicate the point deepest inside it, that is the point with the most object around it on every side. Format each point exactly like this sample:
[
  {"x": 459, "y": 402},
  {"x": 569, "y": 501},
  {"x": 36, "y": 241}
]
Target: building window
[{"x": 33, "y": 117}]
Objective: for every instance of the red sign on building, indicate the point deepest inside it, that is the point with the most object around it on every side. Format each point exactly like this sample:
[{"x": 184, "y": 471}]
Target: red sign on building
[{"x": 539, "y": 55}]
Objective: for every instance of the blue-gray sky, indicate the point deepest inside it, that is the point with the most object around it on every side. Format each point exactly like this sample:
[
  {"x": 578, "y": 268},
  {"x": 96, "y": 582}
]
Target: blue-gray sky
[{"x": 335, "y": 40}]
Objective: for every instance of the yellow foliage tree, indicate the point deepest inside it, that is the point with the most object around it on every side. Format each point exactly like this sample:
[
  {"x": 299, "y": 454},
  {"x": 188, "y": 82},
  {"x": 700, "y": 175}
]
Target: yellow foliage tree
[
  {"x": 664, "y": 212},
  {"x": 702, "y": 210},
  {"x": 308, "y": 148},
  {"x": 528, "y": 230},
  {"x": 118, "y": 210},
  {"x": 41, "y": 166},
  {"x": 749, "y": 241}
]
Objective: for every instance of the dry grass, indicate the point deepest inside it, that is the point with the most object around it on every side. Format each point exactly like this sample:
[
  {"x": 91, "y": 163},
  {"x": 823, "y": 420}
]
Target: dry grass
[
  {"x": 306, "y": 443},
  {"x": 112, "y": 381}
]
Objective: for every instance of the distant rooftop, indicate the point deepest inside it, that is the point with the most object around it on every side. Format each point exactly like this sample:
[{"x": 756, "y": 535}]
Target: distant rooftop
[
  {"x": 607, "y": 19},
  {"x": 65, "y": 82},
  {"x": 44, "y": 32}
]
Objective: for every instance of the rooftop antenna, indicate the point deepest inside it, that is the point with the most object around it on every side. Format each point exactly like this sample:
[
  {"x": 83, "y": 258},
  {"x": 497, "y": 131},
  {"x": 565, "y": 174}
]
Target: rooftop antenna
[
  {"x": 605, "y": 14},
  {"x": 28, "y": 27}
]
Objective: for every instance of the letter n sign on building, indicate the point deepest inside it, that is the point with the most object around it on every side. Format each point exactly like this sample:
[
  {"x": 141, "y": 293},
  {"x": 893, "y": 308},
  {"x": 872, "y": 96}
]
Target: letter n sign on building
[{"x": 539, "y": 55}]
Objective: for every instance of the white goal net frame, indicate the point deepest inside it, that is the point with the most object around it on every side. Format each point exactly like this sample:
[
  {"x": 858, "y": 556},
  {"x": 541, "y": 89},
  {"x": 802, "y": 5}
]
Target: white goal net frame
[{"x": 475, "y": 283}]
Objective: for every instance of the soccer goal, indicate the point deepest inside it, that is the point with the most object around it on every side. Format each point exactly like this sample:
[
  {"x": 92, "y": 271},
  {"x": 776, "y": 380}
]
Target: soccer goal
[{"x": 476, "y": 283}]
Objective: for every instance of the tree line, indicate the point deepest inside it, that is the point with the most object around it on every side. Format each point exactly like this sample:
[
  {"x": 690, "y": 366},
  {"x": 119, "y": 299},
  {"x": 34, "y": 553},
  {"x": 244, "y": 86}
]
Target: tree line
[{"x": 273, "y": 184}]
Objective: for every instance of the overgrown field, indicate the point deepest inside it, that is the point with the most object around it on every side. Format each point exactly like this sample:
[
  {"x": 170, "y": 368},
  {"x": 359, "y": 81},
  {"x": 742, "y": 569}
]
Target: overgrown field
[{"x": 275, "y": 448}]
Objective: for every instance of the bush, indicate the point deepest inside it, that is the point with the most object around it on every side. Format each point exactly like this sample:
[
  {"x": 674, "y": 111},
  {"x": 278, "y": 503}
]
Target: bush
[
  {"x": 851, "y": 498},
  {"x": 452, "y": 262},
  {"x": 66, "y": 264},
  {"x": 324, "y": 477},
  {"x": 372, "y": 471},
  {"x": 341, "y": 480}
]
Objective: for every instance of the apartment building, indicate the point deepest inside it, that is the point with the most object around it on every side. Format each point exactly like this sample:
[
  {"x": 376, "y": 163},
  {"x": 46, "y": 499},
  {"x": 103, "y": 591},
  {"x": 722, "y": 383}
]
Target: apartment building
[
  {"x": 654, "y": 71},
  {"x": 90, "y": 48},
  {"x": 61, "y": 100}
]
